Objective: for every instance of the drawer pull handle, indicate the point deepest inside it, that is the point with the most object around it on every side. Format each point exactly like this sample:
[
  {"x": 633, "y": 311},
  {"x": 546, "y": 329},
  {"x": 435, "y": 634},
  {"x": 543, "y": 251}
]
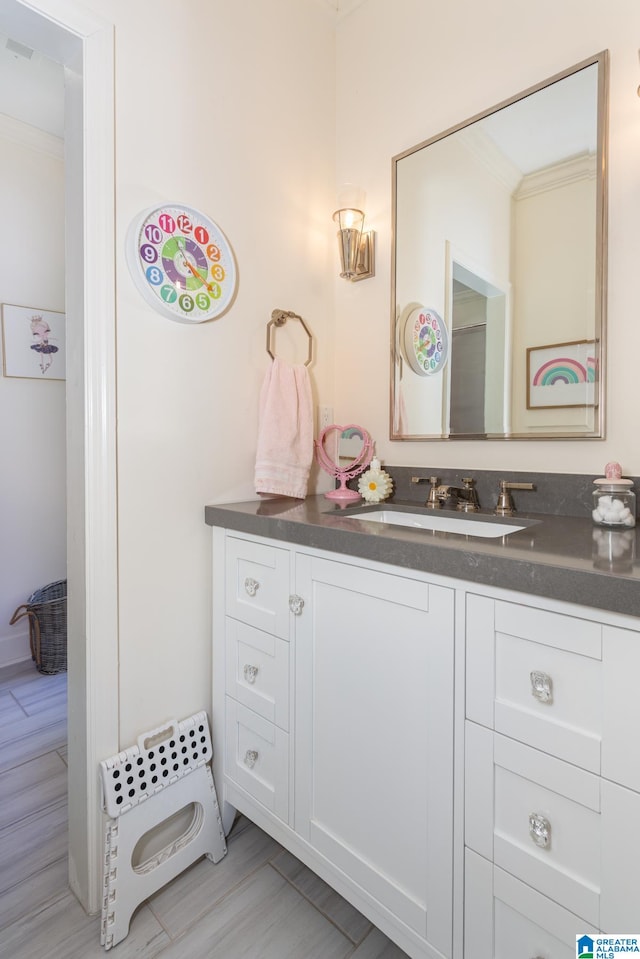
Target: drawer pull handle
[
  {"x": 541, "y": 687},
  {"x": 296, "y": 604},
  {"x": 251, "y": 586},
  {"x": 250, "y": 673},
  {"x": 540, "y": 830},
  {"x": 251, "y": 758}
]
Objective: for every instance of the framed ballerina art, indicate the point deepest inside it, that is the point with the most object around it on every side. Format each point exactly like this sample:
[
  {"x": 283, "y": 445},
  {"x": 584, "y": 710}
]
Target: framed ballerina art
[{"x": 33, "y": 343}]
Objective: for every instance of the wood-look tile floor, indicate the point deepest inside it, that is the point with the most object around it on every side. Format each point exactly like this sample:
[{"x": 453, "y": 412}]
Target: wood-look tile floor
[{"x": 259, "y": 902}]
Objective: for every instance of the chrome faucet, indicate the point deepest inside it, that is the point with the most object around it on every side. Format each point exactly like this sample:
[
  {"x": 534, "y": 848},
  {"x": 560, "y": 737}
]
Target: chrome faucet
[{"x": 505, "y": 505}]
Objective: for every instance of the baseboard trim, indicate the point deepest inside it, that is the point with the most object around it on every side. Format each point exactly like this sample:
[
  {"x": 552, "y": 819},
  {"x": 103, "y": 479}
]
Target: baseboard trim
[{"x": 14, "y": 648}]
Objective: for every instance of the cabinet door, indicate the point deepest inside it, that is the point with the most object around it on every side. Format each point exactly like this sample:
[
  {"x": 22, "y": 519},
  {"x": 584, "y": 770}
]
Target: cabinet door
[
  {"x": 374, "y": 735},
  {"x": 620, "y": 856},
  {"x": 621, "y": 707}
]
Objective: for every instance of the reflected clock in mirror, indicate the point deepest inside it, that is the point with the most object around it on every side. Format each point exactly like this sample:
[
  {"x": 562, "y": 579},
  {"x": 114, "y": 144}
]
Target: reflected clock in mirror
[{"x": 500, "y": 233}]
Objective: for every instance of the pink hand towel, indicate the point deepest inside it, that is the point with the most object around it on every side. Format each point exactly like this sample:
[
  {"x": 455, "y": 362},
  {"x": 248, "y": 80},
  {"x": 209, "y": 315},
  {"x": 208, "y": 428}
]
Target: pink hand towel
[{"x": 285, "y": 431}]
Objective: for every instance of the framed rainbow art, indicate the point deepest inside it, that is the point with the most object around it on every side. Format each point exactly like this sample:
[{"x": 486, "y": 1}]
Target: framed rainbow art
[{"x": 562, "y": 375}]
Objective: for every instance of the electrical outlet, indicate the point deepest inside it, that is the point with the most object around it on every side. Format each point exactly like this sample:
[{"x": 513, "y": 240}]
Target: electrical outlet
[{"x": 325, "y": 417}]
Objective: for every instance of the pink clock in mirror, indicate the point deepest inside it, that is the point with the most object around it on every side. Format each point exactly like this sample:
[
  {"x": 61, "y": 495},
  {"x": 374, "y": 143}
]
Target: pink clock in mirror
[{"x": 344, "y": 452}]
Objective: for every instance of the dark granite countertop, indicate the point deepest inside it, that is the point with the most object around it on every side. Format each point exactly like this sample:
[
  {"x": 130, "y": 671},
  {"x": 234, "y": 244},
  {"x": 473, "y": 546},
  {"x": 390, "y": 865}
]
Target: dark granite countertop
[{"x": 559, "y": 557}]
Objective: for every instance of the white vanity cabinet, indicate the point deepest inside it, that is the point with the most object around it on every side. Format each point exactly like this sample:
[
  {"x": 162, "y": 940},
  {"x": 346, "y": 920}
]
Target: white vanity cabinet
[
  {"x": 337, "y": 729},
  {"x": 551, "y": 779},
  {"x": 461, "y": 763}
]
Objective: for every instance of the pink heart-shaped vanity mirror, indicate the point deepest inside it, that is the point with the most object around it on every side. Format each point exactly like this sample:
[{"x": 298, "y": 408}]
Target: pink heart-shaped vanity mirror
[{"x": 343, "y": 452}]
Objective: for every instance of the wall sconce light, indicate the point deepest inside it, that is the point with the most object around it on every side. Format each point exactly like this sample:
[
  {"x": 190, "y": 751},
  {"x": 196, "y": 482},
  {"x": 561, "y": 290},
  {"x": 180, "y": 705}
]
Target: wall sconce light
[{"x": 357, "y": 248}]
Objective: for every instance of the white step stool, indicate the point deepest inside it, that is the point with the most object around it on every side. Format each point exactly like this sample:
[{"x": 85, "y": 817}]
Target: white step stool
[{"x": 143, "y": 787}]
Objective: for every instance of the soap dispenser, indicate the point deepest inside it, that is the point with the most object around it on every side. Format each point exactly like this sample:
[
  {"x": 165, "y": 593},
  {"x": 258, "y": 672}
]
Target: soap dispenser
[{"x": 375, "y": 485}]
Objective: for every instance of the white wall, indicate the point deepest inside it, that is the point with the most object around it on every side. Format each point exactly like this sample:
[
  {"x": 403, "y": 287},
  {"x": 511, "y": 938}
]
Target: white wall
[
  {"x": 554, "y": 250},
  {"x": 229, "y": 109},
  {"x": 429, "y": 66},
  {"x": 442, "y": 222},
  {"x": 32, "y": 412}
]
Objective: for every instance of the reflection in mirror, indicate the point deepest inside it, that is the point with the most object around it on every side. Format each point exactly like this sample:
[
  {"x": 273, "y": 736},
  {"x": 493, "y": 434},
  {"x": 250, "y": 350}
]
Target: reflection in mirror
[
  {"x": 468, "y": 352},
  {"x": 351, "y": 443},
  {"x": 343, "y": 452},
  {"x": 499, "y": 251}
]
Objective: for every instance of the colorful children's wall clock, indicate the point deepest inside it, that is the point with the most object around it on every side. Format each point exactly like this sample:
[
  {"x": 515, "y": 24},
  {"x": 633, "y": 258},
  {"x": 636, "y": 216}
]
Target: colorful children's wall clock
[
  {"x": 181, "y": 262},
  {"x": 426, "y": 342}
]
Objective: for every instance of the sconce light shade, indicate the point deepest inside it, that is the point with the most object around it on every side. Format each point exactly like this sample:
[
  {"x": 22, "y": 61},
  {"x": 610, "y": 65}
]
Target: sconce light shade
[{"x": 356, "y": 247}]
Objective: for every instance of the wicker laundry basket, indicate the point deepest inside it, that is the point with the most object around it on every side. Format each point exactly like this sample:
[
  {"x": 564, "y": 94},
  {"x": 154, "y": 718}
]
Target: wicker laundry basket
[{"x": 47, "y": 612}]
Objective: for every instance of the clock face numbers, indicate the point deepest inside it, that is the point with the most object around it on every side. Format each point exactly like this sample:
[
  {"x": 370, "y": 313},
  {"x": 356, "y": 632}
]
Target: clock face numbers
[
  {"x": 183, "y": 264},
  {"x": 426, "y": 342}
]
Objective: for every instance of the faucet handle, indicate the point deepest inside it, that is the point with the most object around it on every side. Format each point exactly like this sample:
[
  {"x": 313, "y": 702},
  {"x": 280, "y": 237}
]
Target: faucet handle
[
  {"x": 434, "y": 500},
  {"x": 505, "y": 505}
]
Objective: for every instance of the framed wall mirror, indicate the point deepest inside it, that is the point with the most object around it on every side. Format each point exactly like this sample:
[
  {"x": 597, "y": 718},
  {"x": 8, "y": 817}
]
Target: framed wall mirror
[{"x": 499, "y": 269}]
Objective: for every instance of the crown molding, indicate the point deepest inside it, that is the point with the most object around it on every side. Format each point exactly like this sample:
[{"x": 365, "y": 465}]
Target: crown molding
[
  {"x": 577, "y": 168},
  {"x": 483, "y": 148},
  {"x": 31, "y": 137}
]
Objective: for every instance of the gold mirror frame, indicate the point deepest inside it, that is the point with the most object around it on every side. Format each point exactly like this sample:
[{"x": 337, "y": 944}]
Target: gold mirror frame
[{"x": 591, "y": 430}]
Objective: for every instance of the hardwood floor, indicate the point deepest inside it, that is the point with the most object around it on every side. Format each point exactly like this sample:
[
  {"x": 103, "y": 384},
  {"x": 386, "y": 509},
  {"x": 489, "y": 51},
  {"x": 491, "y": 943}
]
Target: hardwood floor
[{"x": 259, "y": 902}]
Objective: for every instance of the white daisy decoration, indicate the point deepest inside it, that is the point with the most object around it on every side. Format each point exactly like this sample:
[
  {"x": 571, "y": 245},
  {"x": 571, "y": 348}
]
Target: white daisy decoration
[{"x": 375, "y": 485}]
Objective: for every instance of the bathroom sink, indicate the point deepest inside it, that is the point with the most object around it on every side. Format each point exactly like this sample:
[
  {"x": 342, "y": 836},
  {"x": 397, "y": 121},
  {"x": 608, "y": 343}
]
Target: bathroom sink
[{"x": 463, "y": 525}]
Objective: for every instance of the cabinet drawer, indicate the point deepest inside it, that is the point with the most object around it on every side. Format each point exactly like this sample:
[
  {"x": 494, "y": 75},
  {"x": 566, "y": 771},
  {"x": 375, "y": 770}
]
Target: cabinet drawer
[
  {"x": 572, "y": 633},
  {"x": 257, "y": 585},
  {"x": 506, "y": 919},
  {"x": 517, "y": 936},
  {"x": 257, "y": 671},
  {"x": 537, "y": 676},
  {"x": 549, "y": 698},
  {"x": 257, "y": 758},
  {"x": 537, "y": 817}
]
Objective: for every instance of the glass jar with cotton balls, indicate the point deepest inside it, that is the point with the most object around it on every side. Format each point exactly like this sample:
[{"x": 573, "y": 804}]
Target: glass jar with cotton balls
[{"x": 614, "y": 499}]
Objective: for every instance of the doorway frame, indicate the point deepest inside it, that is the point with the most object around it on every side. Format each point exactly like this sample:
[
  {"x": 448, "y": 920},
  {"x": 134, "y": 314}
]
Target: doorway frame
[
  {"x": 478, "y": 278},
  {"x": 84, "y": 44}
]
